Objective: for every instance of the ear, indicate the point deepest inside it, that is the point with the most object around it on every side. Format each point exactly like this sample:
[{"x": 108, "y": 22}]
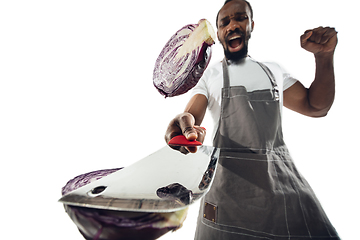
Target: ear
[
  {"x": 217, "y": 34},
  {"x": 252, "y": 25}
]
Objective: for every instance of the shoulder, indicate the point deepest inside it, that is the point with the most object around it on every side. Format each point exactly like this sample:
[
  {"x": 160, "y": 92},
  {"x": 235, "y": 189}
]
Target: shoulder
[
  {"x": 281, "y": 75},
  {"x": 214, "y": 70},
  {"x": 210, "y": 81},
  {"x": 275, "y": 67}
]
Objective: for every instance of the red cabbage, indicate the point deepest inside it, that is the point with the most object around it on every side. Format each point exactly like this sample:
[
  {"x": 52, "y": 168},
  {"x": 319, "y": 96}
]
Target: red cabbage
[
  {"x": 86, "y": 178},
  {"x": 99, "y": 224},
  {"x": 177, "y": 192},
  {"x": 184, "y": 59}
]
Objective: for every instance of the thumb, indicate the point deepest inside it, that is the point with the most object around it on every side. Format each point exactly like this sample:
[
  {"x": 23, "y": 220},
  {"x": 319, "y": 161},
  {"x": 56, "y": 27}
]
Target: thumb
[
  {"x": 186, "y": 122},
  {"x": 306, "y": 36},
  {"x": 190, "y": 133}
]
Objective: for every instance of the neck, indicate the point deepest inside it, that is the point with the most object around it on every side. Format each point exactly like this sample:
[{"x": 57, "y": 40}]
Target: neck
[{"x": 237, "y": 61}]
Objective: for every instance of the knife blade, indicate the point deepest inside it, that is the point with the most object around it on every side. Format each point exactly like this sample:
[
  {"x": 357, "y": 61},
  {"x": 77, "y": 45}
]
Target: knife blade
[{"x": 164, "y": 181}]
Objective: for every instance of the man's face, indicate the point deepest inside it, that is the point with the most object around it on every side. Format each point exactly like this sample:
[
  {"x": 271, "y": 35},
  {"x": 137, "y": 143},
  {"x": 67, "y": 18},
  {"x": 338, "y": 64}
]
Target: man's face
[{"x": 234, "y": 29}]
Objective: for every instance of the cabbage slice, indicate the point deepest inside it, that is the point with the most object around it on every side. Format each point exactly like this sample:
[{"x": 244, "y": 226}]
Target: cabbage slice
[{"x": 184, "y": 59}]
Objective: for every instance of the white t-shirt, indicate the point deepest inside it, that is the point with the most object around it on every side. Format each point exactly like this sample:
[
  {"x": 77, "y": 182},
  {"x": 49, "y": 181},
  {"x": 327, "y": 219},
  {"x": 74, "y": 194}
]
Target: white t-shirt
[{"x": 246, "y": 73}]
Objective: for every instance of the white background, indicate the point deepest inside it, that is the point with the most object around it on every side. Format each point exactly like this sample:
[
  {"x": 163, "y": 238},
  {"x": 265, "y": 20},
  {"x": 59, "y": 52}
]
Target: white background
[{"x": 76, "y": 95}]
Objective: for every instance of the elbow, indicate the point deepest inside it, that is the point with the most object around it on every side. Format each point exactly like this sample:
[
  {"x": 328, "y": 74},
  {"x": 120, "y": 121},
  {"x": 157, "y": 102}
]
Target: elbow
[
  {"x": 320, "y": 109},
  {"x": 318, "y": 113}
]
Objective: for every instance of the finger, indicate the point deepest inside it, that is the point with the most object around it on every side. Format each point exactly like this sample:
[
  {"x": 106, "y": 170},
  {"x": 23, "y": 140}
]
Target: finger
[
  {"x": 172, "y": 130},
  {"x": 318, "y": 34},
  {"x": 322, "y": 35},
  {"x": 328, "y": 35},
  {"x": 184, "y": 150},
  {"x": 332, "y": 32},
  {"x": 325, "y": 37},
  {"x": 201, "y": 132},
  {"x": 305, "y": 36},
  {"x": 191, "y": 149},
  {"x": 186, "y": 123}
]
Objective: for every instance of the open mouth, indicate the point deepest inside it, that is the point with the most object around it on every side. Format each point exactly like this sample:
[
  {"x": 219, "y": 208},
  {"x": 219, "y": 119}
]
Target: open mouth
[{"x": 235, "y": 43}]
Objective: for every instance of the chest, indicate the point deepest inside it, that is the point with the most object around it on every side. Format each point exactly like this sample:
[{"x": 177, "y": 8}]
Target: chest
[{"x": 251, "y": 76}]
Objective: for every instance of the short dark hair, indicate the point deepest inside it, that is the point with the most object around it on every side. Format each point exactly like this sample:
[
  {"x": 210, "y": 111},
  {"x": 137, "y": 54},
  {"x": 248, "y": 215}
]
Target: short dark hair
[{"x": 251, "y": 10}]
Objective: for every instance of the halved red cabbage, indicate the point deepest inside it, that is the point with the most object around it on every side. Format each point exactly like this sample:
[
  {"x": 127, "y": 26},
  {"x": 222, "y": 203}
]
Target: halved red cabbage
[
  {"x": 99, "y": 224},
  {"x": 184, "y": 59}
]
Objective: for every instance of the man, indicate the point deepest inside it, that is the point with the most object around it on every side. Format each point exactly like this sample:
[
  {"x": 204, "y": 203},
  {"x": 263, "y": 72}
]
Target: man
[{"x": 257, "y": 192}]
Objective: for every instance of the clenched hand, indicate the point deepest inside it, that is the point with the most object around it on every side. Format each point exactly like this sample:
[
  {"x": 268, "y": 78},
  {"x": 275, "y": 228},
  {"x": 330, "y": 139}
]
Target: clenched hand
[
  {"x": 185, "y": 124},
  {"x": 321, "y": 40}
]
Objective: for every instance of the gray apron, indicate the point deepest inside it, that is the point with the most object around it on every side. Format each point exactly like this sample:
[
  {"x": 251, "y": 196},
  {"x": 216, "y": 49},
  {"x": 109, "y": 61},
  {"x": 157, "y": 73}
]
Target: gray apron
[{"x": 257, "y": 192}]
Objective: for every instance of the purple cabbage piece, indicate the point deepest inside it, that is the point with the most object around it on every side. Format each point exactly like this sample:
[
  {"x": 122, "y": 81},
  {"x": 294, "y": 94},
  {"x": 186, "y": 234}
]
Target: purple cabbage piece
[
  {"x": 99, "y": 224},
  {"x": 86, "y": 178},
  {"x": 175, "y": 191},
  {"x": 174, "y": 76}
]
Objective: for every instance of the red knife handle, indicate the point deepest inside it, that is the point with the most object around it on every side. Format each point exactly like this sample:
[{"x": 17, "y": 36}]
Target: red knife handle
[{"x": 180, "y": 140}]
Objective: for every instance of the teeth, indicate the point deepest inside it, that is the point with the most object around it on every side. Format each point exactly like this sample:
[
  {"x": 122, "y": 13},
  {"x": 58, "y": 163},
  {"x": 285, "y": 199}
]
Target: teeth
[{"x": 235, "y": 37}]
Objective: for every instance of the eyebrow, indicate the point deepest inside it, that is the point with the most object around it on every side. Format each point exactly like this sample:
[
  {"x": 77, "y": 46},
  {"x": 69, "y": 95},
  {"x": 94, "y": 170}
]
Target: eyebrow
[{"x": 236, "y": 14}]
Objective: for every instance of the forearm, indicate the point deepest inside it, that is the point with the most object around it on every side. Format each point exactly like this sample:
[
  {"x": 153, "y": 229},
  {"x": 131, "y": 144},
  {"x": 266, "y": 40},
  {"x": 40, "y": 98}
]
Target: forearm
[
  {"x": 197, "y": 107},
  {"x": 321, "y": 93},
  {"x": 188, "y": 123}
]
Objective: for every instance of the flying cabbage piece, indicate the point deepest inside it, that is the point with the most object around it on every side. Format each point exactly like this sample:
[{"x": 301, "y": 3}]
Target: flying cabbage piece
[
  {"x": 184, "y": 59},
  {"x": 100, "y": 224}
]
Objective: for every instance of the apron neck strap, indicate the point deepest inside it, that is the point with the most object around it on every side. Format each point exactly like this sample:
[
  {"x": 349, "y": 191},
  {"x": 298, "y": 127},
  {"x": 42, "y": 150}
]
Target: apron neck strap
[
  {"x": 225, "y": 73},
  {"x": 272, "y": 80}
]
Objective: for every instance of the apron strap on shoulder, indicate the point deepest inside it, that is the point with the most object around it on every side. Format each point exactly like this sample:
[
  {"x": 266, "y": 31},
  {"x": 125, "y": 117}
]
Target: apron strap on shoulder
[{"x": 226, "y": 77}]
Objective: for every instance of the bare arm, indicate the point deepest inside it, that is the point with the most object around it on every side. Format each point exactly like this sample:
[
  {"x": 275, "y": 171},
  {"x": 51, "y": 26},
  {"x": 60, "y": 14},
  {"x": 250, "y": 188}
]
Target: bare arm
[
  {"x": 188, "y": 123},
  {"x": 197, "y": 107},
  {"x": 316, "y": 100}
]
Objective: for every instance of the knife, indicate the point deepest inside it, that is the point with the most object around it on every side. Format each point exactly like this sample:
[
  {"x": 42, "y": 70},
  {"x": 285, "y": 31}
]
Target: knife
[{"x": 164, "y": 181}]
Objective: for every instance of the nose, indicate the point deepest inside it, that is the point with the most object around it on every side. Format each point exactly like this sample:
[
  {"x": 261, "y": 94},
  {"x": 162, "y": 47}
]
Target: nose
[{"x": 234, "y": 25}]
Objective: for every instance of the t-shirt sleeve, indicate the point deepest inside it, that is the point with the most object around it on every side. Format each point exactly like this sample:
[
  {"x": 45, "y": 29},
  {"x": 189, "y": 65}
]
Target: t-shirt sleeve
[
  {"x": 200, "y": 87},
  {"x": 287, "y": 80}
]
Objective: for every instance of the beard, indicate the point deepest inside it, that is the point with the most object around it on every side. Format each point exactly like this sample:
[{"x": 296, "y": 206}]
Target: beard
[{"x": 236, "y": 56}]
